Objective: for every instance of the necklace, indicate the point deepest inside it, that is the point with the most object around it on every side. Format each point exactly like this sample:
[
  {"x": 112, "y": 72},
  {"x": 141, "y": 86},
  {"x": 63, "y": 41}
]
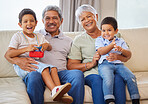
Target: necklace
[{"x": 37, "y": 40}]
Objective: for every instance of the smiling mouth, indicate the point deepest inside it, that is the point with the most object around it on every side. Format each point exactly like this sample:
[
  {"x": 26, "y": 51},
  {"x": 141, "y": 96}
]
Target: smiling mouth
[
  {"x": 106, "y": 36},
  {"x": 51, "y": 25},
  {"x": 89, "y": 24},
  {"x": 29, "y": 28}
]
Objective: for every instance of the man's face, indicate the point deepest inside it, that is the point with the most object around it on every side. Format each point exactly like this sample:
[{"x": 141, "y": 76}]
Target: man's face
[{"x": 52, "y": 22}]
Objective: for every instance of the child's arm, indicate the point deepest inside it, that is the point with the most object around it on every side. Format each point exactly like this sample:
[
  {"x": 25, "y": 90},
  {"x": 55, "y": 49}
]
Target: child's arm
[
  {"x": 106, "y": 49},
  {"x": 46, "y": 46},
  {"x": 126, "y": 53},
  {"x": 12, "y": 52}
]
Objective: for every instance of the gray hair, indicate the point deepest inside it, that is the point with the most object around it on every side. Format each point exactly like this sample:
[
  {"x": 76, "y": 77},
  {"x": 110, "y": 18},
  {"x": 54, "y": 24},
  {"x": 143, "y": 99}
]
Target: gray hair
[
  {"x": 54, "y": 8},
  {"x": 82, "y": 8}
]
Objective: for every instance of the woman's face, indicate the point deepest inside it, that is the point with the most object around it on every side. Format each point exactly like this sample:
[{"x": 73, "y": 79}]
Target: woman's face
[{"x": 88, "y": 21}]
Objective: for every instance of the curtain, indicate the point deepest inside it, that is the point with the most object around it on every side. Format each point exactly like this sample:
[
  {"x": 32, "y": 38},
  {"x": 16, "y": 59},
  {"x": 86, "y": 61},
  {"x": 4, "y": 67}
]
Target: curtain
[{"x": 69, "y": 7}]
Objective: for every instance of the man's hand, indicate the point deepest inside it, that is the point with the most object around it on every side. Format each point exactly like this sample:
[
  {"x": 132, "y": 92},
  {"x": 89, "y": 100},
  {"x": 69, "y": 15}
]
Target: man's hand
[{"x": 25, "y": 64}]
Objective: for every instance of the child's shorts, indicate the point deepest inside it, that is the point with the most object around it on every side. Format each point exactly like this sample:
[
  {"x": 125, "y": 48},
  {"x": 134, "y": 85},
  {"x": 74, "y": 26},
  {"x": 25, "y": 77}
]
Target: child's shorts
[{"x": 41, "y": 66}]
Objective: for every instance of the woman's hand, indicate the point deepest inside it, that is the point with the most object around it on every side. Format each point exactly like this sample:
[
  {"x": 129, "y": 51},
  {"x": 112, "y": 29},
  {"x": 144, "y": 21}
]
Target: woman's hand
[
  {"x": 112, "y": 57},
  {"x": 95, "y": 59},
  {"x": 115, "y": 56}
]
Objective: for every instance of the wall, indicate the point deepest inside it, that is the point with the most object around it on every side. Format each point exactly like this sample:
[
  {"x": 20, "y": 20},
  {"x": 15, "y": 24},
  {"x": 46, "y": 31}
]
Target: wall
[{"x": 108, "y": 8}]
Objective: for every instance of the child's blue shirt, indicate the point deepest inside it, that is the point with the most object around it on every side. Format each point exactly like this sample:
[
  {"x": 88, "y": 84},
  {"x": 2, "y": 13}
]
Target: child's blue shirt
[{"x": 101, "y": 42}]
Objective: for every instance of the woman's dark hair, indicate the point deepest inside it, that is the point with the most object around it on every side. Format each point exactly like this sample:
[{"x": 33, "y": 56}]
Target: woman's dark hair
[
  {"x": 109, "y": 20},
  {"x": 26, "y": 11}
]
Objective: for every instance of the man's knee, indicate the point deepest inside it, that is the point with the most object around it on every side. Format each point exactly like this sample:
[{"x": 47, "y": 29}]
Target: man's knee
[
  {"x": 34, "y": 77},
  {"x": 78, "y": 76}
]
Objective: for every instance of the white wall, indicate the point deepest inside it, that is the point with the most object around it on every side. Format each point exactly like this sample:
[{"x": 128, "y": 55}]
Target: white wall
[
  {"x": 10, "y": 9},
  {"x": 108, "y": 8}
]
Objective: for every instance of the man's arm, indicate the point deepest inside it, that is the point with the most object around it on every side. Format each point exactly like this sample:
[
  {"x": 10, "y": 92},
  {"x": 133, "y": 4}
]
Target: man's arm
[{"x": 23, "y": 62}]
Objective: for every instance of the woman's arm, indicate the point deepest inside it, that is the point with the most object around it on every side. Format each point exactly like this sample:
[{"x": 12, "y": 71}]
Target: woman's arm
[
  {"x": 76, "y": 64},
  {"x": 115, "y": 56}
]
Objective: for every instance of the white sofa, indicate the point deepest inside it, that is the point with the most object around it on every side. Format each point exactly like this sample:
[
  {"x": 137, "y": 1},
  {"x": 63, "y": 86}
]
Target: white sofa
[{"x": 13, "y": 90}]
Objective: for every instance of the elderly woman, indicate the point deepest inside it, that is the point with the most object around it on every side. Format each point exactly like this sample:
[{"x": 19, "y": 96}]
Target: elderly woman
[{"x": 84, "y": 57}]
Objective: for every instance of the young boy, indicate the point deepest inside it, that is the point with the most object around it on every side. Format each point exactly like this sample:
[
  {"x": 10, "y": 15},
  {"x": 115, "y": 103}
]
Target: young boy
[
  {"x": 106, "y": 44},
  {"x": 25, "y": 41}
]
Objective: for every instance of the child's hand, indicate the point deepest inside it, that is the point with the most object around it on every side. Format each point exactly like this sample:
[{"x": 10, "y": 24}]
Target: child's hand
[
  {"x": 113, "y": 42},
  {"x": 118, "y": 48},
  {"x": 31, "y": 47},
  {"x": 44, "y": 46}
]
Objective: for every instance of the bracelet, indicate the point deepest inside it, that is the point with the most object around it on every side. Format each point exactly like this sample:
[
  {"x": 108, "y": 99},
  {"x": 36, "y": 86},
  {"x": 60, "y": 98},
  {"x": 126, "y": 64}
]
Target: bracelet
[{"x": 86, "y": 66}]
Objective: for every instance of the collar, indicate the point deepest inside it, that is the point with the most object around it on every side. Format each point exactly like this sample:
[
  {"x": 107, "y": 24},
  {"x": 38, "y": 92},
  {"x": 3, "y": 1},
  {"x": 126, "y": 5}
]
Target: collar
[
  {"x": 107, "y": 42},
  {"x": 60, "y": 35}
]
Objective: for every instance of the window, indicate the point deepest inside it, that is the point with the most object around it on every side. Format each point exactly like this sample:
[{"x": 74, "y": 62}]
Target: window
[
  {"x": 10, "y": 9},
  {"x": 132, "y": 13}
]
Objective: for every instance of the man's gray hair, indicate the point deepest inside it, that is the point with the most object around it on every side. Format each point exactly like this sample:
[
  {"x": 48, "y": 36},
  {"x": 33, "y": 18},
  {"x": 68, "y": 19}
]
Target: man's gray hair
[
  {"x": 82, "y": 8},
  {"x": 54, "y": 8}
]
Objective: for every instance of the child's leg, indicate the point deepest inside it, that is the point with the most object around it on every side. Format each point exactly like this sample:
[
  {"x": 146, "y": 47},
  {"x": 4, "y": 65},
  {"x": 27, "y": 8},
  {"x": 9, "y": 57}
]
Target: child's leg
[
  {"x": 57, "y": 91},
  {"x": 54, "y": 76},
  {"x": 130, "y": 78},
  {"x": 106, "y": 71},
  {"x": 48, "y": 79}
]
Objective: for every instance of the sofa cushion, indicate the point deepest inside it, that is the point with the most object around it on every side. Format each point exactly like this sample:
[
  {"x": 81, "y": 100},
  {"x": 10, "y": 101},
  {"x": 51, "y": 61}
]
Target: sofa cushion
[
  {"x": 13, "y": 90},
  {"x": 6, "y": 69},
  {"x": 137, "y": 41}
]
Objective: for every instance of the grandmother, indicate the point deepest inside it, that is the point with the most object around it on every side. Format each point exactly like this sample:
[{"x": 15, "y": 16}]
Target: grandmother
[{"x": 84, "y": 57}]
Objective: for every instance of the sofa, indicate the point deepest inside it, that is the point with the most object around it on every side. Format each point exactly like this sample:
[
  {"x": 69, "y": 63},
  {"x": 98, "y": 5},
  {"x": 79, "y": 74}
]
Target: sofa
[{"x": 13, "y": 90}]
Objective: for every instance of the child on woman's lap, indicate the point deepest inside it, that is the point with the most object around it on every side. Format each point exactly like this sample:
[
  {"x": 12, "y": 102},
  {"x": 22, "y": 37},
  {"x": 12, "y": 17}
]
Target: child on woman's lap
[{"x": 106, "y": 44}]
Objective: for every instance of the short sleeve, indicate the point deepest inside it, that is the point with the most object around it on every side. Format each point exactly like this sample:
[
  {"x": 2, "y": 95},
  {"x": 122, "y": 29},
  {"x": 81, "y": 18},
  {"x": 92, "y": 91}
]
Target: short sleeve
[
  {"x": 14, "y": 42},
  {"x": 75, "y": 51},
  {"x": 98, "y": 43},
  {"x": 124, "y": 45}
]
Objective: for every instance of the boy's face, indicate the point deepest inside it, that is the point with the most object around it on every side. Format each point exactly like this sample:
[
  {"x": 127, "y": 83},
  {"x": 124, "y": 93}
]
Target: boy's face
[
  {"x": 28, "y": 24},
  {"x": 108, "y": 31}
]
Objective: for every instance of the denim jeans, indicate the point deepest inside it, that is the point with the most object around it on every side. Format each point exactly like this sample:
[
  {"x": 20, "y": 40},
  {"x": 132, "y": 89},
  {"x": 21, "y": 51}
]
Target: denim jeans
[
  {"x": 36, "y": 86},
  {"x": 107, "y": 71},
  {"x": 95, "y": 82},
  {"x": 76, "y": 78}
]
